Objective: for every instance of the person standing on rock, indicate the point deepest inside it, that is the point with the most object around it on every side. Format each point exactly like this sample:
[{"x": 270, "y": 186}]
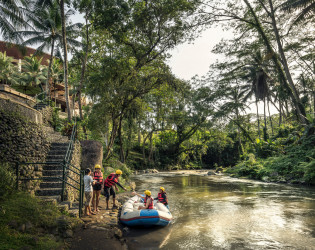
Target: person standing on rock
[
  {"x": 88, "y": 190},
  {"x": 97, "y": 187},
  {"x": 109, "y": 183}
]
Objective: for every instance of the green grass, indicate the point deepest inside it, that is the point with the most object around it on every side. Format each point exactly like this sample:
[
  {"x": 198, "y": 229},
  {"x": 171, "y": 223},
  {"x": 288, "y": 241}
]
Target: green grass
[{"x": 22, "y": 208}]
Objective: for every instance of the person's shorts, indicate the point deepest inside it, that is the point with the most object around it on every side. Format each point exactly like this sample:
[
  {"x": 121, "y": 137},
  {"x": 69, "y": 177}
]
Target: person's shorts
[
  {"x": 97, "y": 187},
  {"x": 88, "y": 198},
  {"x": 108, "y": 191}
]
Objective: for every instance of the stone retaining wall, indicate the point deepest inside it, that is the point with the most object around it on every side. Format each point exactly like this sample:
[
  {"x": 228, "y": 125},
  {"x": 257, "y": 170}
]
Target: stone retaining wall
[
  {"x": 47, "y": 114},
  {"x": 22, "y": 141},
  {"x": 24, "y": 110}
]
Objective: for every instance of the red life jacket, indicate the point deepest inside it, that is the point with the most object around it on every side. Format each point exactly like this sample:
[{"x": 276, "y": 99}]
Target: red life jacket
[
  {"x": 111, "y": 180},
  {"x": 151, "y": 204},
  {"x": 161, "y": 199},
  {"x": 98, "y": 176}
]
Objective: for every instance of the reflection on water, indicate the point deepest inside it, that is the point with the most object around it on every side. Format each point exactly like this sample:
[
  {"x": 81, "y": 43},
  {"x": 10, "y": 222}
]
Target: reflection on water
[{"x": 217, "y": 212}]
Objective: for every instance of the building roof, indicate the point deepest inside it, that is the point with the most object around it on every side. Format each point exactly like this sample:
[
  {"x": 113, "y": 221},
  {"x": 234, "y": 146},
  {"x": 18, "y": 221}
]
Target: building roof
[{"x": 16, "y": 52}]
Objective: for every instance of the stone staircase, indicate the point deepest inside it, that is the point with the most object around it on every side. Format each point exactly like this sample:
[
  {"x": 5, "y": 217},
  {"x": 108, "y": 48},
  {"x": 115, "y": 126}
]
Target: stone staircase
[{"x": 50, "y": 188}]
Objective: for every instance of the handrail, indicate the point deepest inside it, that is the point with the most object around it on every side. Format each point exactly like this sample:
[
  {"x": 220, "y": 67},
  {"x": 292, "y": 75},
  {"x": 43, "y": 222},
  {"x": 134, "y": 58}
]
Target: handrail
[{"x": 66, "y": 164}]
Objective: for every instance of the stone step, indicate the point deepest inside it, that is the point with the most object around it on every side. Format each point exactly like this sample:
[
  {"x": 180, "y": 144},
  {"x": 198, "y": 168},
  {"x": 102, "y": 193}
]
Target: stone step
[
  {"x": 57, "y": 152},
  {"x": 48, "y": 191},
  {"x": 52, "y": 167},
  {"x": 67, "y": 203},
  {"x": 48, "y": 129},
  {"x": 55, "y": 158},
  {"x": 52, "y": 184},
  {"x": 54, "y": 199},
  {"x": 74, "y": 212},
  {"x": 59, "y": 148},
  {"x": 58, "y": 138},
  {"x": 52, "y": 172},
  {"x": 58, "y": 144},
  {"x": 46, "y": 178}
]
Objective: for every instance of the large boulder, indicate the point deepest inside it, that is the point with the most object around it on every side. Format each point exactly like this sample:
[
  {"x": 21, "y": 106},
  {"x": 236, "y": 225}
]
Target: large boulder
[{"x": 92, "y": 154}]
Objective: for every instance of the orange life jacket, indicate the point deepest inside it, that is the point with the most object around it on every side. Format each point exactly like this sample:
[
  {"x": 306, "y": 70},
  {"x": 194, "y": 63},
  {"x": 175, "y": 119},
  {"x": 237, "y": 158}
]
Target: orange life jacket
[
  {"x": 161, "y": 199},
  {"x": 111, "y": 180},
  {"x": 151, "y": 203},
  {"x": 98, "y": 176}
]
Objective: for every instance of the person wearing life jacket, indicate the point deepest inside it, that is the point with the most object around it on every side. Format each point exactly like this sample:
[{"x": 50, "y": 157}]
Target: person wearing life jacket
[
  {"x": 97, "y": 187},
  {"x": 110, "y": 182},
  {"x": 162, "y": 198},
  {"x": 148, "y": 200}
]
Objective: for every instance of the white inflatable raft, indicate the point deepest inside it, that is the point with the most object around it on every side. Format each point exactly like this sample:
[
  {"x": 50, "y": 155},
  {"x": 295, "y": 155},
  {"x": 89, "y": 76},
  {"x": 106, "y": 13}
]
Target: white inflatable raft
[{"x": 131, "y": 216}]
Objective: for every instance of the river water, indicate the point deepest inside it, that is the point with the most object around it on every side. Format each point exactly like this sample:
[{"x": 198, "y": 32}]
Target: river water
[{"x": 219, "y": 212}]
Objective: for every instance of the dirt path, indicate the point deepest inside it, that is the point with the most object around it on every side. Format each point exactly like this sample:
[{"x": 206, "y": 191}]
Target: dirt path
[{"x": 103, "y": 230}]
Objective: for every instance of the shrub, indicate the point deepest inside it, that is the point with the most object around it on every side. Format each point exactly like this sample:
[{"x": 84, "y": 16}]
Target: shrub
[{"x": 7, "y": 179}]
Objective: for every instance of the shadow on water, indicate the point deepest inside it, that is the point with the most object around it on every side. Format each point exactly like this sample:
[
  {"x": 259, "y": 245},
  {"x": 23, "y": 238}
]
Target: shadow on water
[{"x": 218, "y": 212}]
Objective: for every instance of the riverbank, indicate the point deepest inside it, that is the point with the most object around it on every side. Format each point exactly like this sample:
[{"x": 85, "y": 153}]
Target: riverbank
[{"x": 102, "y": 230}]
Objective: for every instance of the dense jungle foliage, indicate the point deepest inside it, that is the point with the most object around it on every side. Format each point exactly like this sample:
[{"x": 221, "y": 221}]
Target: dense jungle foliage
[{"x": 251, "y": 115}]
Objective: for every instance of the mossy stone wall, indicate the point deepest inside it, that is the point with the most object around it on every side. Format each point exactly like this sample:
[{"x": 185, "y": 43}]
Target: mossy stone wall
[{"x": 22, "y": 141}]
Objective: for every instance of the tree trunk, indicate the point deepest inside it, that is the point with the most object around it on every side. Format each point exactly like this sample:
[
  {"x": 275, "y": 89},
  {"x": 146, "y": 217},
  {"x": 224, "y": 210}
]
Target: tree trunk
[
  {"x": 112, "y": 139},
  {"x": 258, "y": 120},
  {"x": 122, "y": 153},
  {"x": 299, "y": 107},
  {"x": 265, "y": 120},
  {"x": 49, "y": 68},
  {"x": 139, "y": 134},
  {"x": 83, "y": 67},
  {"x": 65, "y": 59},
  {"x": 150, "y": 153},
  {"x": 270, "y": 119},
  {"x": 277, "y": 62},
  {"x": 280, "y": 113}
]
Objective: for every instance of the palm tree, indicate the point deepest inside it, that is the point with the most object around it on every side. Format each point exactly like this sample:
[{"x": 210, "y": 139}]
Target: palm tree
[
  {"x": 12, "y": 15},
  {"x": 33, "y": 73},
  {"x": 47, "y": 31},
  {"x": 7, "y": 70},
  {"x": 306, "y": 8}
]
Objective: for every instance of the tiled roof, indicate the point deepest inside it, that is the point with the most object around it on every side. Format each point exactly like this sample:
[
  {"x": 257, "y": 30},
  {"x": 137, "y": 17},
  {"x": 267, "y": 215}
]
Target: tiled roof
[{"x": 14, "y": 51}]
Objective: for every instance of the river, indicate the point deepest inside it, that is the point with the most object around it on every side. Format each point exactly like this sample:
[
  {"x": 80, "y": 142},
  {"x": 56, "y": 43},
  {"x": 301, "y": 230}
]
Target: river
[{"x": 219, "y": 212}]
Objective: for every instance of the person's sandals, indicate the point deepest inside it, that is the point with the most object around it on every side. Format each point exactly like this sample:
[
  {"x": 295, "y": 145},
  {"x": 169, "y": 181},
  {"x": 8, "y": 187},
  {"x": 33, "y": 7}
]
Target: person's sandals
[{"x": 115, "y": 207}]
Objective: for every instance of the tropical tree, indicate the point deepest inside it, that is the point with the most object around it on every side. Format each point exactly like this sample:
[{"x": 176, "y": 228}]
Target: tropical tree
[
  {"x": 46, "y": 31},
  {"x": 306, "y": 9},
  {"x": 33, "y": 73},
  {"x": 12, "y": 16},
  {"x": 7, "y": 69}
]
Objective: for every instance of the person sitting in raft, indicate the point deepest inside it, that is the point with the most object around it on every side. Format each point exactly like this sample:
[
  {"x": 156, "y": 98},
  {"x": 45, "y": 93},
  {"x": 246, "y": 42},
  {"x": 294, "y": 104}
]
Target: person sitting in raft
[
  {"x": 109, "y": 183},
  {"x": 162, "y": 198},
  {"x": 148, "y": 200},
  {"x": 97, "y": 187}
]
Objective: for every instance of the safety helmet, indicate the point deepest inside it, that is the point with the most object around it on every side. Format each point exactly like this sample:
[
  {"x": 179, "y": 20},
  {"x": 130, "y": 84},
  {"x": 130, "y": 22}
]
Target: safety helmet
[
  {"x": 147, "y": 192},
  {"x": 97, "y": 166},
  {"x": 162, "y": 188},
  {"x": 118, "y": 171}
]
